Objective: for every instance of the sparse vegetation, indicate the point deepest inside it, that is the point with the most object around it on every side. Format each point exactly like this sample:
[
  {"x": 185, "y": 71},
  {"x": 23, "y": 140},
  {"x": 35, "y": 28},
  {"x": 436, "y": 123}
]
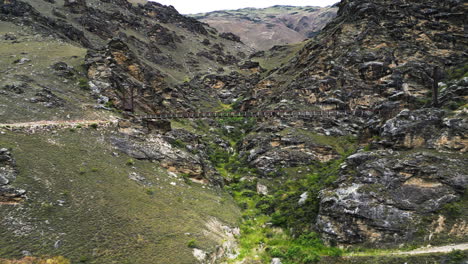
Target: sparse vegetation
[
  {"x": 110, "y": 206},
  {"x": 276, "y": 221}
]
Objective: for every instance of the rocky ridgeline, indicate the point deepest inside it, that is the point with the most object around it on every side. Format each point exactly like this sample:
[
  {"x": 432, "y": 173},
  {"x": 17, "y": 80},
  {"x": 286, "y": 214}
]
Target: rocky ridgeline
[
  {"x": 155, "y": 62},
  {"x": 374, "y": 54}
]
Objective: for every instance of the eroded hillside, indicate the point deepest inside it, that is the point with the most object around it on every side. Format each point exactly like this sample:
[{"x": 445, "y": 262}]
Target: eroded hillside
[{"x": 264, "y": 28}]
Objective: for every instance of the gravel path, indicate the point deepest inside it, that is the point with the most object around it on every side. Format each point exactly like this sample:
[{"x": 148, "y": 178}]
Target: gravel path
[
  {"x": 441, "y": 249},
  {"x": 54, "y": 123}
]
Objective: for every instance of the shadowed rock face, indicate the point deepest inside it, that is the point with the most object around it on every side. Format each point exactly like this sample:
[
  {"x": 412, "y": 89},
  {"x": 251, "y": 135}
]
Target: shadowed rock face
[{"x": 75, "y": 6}]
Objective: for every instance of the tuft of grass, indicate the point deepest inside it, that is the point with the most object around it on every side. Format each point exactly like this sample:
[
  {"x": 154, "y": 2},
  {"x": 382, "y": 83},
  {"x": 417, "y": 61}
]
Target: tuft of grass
[
  {"x": 178, "y": 143},
  {"x": 150, "y": 191},
  {"x": 192, "y": 243},
  {"x": 130, "y": 162}
]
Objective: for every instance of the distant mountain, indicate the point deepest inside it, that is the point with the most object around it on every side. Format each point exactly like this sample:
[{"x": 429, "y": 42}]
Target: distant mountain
[
  {"x": 277, "y": 25},
  {"x": 267, "y": 27}
]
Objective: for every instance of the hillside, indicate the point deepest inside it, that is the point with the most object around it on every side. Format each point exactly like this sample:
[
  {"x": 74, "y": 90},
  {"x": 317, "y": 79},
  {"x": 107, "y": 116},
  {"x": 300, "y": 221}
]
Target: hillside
[
  {"x": 78, "y": 186},
  {"x": 264, "y": 28},
  {"x": 378, "y": 172}
]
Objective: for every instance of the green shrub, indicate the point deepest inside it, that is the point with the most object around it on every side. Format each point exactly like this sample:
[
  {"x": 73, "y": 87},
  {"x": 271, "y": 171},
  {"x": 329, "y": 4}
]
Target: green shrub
[
  {"x": 109, "y": 104},
  {"x": 457, "y": 256},
  {"x": 149, "y": 191},
  {"x": 192, "y": 243},
  {"x": 458, "y": 73},
  {"x": 130, "y": 162},
  {"x": 83, "y": 84},
  {"x": 452, "y": 209},
  {"x": 277, "y": 253},
  {"x": 93, "y": 125},
  {"x": 84, "y": 259},
  {"x": 178, "y": 143}
]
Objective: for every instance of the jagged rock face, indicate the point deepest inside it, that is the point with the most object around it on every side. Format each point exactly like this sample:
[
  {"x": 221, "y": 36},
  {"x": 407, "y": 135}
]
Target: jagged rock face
[
  {"x": 373, "y": 52},
  {"x": 177, "y": 150},
  {"x": 378, "y": 55},
  {"x": 117, "y": 73},
  {"x": 425, "y": 128},
  {"x": 382, "y": 196},
  {"x": 226, "y": 88},
  {"x": 268, "y": 150},
  {"x": 168, "y": 14},
  {"x": 14, "y": 7}
]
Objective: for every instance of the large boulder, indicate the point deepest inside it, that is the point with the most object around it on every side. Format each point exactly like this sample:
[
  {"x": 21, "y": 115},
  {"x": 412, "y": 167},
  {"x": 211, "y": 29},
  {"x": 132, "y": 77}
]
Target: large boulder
[
  {"x": 383, "y": 196},
  {"x": 8, "y": 173}
]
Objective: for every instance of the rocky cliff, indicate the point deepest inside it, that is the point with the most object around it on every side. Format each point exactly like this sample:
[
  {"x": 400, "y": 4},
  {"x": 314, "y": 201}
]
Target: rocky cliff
[{"x": 386, "y": 56}]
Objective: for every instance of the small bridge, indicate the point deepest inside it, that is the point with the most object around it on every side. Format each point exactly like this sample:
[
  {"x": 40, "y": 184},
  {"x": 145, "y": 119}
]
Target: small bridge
[{"x": 276, "y": 113}]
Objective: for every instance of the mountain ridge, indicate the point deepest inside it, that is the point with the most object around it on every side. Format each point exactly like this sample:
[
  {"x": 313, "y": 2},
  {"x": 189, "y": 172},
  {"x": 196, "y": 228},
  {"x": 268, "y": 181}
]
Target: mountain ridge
[{"x": 262, "y": 28}]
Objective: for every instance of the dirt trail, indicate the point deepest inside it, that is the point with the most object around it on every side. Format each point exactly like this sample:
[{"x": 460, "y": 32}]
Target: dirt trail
[
  {"x": 58, "y": 123},
  {"x": 418, "y": 251},
  {"x": 426, "y": 250}
]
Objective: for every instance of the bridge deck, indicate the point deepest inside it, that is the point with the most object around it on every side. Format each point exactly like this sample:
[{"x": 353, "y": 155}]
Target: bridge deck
[{"x": 278, "y": 113}]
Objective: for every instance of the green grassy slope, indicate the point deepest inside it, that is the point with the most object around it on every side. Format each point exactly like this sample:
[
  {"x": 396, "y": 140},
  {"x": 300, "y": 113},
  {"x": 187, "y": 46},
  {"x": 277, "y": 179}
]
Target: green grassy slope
[
  {"x": 35, "y": 75},
  {"x": 80, "y": 195}
]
